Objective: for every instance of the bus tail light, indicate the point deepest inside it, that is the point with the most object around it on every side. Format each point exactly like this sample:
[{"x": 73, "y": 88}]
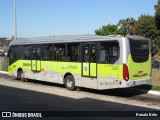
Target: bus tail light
[{"x": 125, "y": 72}]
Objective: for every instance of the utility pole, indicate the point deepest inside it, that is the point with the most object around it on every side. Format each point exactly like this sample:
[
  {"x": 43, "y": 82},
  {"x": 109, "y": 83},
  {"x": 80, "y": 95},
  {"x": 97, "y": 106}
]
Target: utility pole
[{"x": 15, "y": 21}]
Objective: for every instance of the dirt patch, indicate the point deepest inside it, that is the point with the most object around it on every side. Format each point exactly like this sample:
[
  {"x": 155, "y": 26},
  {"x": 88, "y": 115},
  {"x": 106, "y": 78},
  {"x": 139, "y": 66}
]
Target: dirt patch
[
  {"x": 156, "y": 73},
  {"x": 155, "y": 77},
  {"x": 156, "y": 57}
]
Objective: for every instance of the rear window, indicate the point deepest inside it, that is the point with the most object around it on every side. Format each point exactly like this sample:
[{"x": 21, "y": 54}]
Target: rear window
[{"x": 139, "y": 50}]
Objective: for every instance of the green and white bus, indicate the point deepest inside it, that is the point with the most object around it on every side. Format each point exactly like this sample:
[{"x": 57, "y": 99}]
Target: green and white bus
[{"x": 96, "y": 62}]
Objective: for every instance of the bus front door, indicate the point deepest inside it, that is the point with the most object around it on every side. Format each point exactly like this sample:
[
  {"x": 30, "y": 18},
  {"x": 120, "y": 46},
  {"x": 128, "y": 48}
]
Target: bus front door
[
  {"x": 36, "y": 58},
  {"x": 89, "y": 57}
]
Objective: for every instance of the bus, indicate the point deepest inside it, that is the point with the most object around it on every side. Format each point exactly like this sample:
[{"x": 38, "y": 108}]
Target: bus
[{"x": 89, "y": 61}]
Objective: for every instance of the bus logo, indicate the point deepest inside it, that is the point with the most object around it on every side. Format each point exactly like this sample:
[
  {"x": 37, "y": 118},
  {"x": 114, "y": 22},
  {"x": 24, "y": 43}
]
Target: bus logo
[{"x": 140, "y": 74}]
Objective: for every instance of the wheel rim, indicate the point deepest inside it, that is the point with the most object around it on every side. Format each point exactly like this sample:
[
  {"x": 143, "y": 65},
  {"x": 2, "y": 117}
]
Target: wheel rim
[{"x": 69, "y": 82}]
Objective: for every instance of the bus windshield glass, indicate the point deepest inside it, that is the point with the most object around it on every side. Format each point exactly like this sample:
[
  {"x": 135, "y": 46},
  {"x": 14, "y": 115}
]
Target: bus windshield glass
[{"x": 139, "y": 50}]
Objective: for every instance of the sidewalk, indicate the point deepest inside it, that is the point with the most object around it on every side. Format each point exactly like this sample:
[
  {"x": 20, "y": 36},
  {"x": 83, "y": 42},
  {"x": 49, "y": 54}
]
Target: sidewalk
[{"x": 141, "y": 90}]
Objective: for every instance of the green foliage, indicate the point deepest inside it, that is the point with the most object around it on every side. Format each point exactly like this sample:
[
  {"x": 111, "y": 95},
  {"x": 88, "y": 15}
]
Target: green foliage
[
  {"x": 4, "y": 42},
  {"x": 157, "y": 42},
  {"x": 157, "y": 14},
  {"x": 149, "y": 87},
  {"x": 127, "y": 24},
  {"x": 145, "y": 26},
  {"x": 110, "y": 30}
]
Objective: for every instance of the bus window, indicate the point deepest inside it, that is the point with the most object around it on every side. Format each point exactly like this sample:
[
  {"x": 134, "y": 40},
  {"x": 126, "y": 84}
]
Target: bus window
[
  {"x": 114, "y": 53},
  {"x": 47, "y": 53},
  {"x": 19, "y": 52},
  {"x": 38, "y": 53},
  {"x": 104, "y": 53},
  {"x": 12, "y": 54},
  {"x": 139, "y": 50},
  {"x": 27, "y": 52},
  {"x": 59, "y": 52},
  {"x": 73, "y": 52},
  {"x": 109, "y": 52},
  {"x": 93, "y": 54},
  {"x": 86, "y": 54}
]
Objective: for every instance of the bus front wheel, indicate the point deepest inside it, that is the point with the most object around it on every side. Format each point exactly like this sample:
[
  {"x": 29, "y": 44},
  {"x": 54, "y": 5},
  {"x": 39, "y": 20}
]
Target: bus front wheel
[{"x": 70, "y": 83}]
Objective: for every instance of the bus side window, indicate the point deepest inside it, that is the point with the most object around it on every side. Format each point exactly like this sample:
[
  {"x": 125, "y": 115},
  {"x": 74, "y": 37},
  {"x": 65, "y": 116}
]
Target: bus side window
[
  {"x": 59, "y": 52},
  {"x": 12, "y": 54},
  {"x": 109, "y": 52},
  {"x": 27, "y": 52},
  {"x": 19, "y": 52},
  {"x": 93, "y": 58},
  {"x": 11, "y": 59},
  {"x": 104, "y": 54},
  {"x": 73, "y": 52},
  {"x": 114, "y": 53},
  {"x": 47, "y": 52}
]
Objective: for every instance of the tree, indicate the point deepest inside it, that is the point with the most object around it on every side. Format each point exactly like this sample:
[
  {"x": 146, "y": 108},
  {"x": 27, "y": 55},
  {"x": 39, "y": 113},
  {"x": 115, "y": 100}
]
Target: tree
[
  {"x": 110, "y": 30},
  {"x": 157, "y": 14},
  {"x": 157, "y": 42},
  {"x": 157, "y": 22},
  {"x": 4, "y": 41},
  {"x": 127, "y": 24},
  {"x": 145, "y": 26}
]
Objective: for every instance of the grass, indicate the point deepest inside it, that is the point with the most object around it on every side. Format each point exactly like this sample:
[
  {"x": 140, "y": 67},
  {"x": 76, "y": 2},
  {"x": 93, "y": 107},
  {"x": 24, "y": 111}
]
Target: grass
[
  {"x": 149, "y": 87},
  {"x": 156, "y": 87},
  {"x": 155, "y": 79},
  {"x": 4, "y": 64},
  {"x": 157, "y": 57}
]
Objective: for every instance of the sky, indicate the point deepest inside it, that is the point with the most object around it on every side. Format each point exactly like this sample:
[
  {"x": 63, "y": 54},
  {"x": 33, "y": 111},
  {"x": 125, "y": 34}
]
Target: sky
[{"x": 41, "y": 18}]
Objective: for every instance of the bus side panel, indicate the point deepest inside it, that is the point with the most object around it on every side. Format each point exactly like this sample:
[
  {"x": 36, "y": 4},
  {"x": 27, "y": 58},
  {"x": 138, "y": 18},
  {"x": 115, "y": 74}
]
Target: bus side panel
[
  {"x": 49, "y": 70},
  {"x": 25, "y": 65},
  {"x": 12, "y": 69},
  {"x": 55, "y": 71},
  {"x": 109, "y": 75}
]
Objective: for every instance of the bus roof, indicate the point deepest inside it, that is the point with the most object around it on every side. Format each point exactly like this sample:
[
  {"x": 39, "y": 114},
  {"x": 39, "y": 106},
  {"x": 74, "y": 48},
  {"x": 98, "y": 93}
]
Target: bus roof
[
  {"x": 66, "y": 39},
  {"x": 137, "y": 37},
  {"x": 62, "y": 39}
]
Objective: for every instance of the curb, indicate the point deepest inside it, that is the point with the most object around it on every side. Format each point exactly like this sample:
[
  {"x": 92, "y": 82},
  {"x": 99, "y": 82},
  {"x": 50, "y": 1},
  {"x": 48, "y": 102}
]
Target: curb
[
  {"x": 152, "y": 92},
  {"x": 3, "y": 72},
  {"x": 140, "y": 90}
]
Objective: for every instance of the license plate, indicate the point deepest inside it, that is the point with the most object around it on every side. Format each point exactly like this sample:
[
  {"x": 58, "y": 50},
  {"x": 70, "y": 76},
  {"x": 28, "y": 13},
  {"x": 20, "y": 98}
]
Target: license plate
[{"x": 140, "y": 73}]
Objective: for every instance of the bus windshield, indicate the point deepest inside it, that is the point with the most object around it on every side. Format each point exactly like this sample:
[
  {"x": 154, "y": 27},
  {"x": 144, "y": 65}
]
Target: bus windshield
[{"x": 139, "y": 50}]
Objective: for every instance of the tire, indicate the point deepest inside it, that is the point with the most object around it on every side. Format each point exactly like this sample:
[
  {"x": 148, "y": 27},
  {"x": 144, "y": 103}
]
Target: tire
[
  {"x": 70, "y": 83},
  {"x": 20, "y": 76}
]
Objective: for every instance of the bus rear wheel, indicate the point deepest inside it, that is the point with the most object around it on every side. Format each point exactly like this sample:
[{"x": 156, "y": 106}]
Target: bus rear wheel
[{"x": 70, "y": 83}]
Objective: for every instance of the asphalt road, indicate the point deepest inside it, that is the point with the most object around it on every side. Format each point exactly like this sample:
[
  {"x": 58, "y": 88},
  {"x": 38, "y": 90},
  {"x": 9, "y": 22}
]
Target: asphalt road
[
  {"x": 13, "y": 99},
  {"x": 19, "y": 99}
]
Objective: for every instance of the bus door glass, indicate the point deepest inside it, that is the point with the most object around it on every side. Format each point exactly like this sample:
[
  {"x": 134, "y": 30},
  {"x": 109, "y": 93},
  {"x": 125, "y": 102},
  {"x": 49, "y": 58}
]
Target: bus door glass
[
  {"x": 36, "y": 58},
  {"x": 89, "y": 63}
]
